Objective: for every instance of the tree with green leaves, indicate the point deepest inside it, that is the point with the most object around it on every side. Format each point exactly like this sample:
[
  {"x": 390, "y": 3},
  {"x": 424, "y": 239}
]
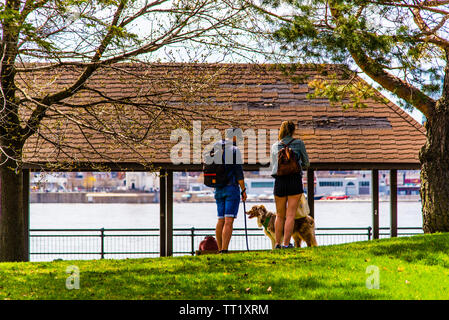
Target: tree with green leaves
[
  {"x": 44, "y": 39},
  {"x": 401, "y": 45}
]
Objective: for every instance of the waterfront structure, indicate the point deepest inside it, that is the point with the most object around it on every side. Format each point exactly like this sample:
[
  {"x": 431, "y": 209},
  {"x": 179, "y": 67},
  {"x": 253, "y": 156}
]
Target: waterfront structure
[
  {"x": 345, "y": 185},
  {"x": 349, "y": 184},
  {"x": 142, "y": 181},
  {"x": 379, "y": 136},
  {"x": 258, "y": 186},
  {"x": 48, "y": 182}
]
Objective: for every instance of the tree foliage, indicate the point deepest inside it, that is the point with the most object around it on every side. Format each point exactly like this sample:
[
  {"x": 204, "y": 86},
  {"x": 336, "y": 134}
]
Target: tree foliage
[
  {"x": 49, "y": 39},
  {"x": 402, "y": 45}
]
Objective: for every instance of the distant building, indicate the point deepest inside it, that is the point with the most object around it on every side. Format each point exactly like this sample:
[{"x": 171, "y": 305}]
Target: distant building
[
  {"x": 48, "y": 182},
  {"x": 182, "y": 181},
  {"x": 409, "y": 182},
  {"x": 259, "y": 186},
  {"x": 198, "y": 187},
  {"x": 350, "y": 185},
  {"x": 142, "y": 181}
]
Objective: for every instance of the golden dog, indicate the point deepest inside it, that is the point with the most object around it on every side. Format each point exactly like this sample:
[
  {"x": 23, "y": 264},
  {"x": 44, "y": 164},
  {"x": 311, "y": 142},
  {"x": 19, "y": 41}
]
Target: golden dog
[{"x": 304, "y": 229}]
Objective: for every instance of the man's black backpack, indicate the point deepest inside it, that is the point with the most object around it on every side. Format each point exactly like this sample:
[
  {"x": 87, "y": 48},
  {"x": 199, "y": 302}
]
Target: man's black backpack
[{"x": 215, "y": 174}]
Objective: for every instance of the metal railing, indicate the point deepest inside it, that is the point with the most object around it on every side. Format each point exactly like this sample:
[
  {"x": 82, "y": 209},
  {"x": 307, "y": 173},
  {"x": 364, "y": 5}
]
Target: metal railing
[
  {"x": 402, "y": 231},
  {"x": 70, "y": 244}
]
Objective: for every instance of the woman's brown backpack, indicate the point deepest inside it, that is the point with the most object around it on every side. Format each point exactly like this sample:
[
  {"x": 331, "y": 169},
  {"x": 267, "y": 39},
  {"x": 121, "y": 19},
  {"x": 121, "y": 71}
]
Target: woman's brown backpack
[{"x": 287, "y": 161}]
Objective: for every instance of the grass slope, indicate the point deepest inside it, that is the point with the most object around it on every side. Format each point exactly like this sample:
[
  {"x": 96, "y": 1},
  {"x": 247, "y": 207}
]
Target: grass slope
[{"x": 409, "y": 268}]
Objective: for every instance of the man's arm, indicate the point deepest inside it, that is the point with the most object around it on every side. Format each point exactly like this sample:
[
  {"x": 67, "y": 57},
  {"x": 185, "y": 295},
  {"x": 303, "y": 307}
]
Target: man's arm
[
  {"x": 242, "y": 187},
  {"x": 239, "y": 174}
]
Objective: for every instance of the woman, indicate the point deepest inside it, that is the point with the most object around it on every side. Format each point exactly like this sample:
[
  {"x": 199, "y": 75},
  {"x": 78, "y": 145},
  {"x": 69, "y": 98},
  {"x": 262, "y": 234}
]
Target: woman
[{"x": 287, "y": 188}]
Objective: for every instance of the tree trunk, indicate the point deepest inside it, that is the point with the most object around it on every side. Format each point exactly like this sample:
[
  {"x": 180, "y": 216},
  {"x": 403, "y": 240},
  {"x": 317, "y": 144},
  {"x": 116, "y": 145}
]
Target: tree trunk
[
  {"x": 434, "y": 157},
  {"x": 12, "y": 222}
]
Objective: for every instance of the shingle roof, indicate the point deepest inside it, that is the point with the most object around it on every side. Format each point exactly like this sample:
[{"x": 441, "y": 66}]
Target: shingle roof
[{"x": 220, "y": 95}]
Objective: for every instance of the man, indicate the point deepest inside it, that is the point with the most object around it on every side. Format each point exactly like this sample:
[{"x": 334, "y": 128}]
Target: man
[{"x": 227, "y": 197}]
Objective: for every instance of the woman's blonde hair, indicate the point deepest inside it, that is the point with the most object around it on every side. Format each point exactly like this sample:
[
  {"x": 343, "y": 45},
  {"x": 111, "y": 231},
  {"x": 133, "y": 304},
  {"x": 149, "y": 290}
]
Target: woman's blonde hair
[{"x": 287, "y": 129}]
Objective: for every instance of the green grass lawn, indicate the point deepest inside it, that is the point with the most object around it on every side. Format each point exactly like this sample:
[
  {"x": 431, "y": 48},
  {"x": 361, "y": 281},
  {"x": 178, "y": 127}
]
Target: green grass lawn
[{"x": 409, "y": 268}]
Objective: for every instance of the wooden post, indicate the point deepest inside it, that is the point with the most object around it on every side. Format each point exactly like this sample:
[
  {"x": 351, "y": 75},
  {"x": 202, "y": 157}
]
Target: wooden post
[
  {"x": 311, "y": 191},
  {"x": 162, "y": 210},
  {"x": 393, "y": 203},
  {"x": 169, "y": 214},
  {"x": 102, "y": 243},
  {"x": 375, "y": 201},
  {"x": 26, "y": 210}
]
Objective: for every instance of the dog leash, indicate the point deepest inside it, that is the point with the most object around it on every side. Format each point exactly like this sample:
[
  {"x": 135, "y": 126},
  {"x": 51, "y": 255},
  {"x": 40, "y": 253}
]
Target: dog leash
[{"x": 246, "y": 229}]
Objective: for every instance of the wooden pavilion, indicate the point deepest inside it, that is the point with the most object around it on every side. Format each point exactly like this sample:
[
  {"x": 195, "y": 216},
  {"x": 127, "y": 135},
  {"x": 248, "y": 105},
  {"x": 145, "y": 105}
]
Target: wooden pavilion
[{"x": 379, "y": 136}]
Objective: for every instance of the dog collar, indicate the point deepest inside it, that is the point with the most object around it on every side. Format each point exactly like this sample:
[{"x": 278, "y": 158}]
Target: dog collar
[{"x": 266, "y": 222}]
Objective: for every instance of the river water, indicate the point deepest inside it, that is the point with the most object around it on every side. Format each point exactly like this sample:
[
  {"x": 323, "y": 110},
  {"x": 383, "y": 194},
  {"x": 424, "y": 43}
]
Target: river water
[{"x": 203, "y": 215}]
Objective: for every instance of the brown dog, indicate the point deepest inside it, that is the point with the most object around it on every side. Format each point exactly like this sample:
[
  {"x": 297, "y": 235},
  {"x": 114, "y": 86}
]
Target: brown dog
[{"x": 304, "y": 229}]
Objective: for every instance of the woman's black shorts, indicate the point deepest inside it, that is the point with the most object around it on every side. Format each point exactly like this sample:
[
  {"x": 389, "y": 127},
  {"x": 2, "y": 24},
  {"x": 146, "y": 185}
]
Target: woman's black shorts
[{"x": 288, "y": 185}]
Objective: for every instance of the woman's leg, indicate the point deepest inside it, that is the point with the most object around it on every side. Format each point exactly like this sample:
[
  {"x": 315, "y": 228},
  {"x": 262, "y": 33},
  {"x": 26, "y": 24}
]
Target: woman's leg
[
  {"x": 292, "y": 205},
  {"x": 280, "y": 218}
]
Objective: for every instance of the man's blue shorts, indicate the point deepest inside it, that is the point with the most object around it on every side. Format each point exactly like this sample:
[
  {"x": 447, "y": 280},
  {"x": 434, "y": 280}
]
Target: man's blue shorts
[{"x": 228, "y": 201}]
